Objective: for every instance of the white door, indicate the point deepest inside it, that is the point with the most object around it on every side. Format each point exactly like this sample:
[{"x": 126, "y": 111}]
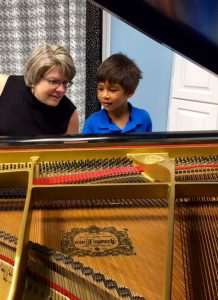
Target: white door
[{"x": 194, "y": 98}]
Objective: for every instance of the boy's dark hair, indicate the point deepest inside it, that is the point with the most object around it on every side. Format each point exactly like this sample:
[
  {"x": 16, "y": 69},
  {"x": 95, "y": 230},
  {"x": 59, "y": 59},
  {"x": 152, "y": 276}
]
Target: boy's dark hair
[{"x": 118, "y": 68}]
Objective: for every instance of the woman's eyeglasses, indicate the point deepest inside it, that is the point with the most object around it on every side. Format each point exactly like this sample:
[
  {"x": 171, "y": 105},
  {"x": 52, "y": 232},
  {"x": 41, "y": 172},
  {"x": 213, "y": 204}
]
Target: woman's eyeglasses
[{"x": 57, "y": 83}]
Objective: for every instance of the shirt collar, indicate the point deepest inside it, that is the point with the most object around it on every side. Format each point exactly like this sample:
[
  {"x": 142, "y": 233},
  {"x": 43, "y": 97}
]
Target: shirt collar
[{"x": 106, "y": 123}]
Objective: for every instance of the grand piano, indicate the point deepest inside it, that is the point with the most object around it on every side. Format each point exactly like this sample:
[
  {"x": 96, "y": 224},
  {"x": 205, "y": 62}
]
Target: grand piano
[{"x": 130, "y": 217}]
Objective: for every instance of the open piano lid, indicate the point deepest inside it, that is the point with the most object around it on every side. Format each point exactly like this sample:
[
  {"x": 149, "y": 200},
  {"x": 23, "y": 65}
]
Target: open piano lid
[{"x": 188, "y": 27}]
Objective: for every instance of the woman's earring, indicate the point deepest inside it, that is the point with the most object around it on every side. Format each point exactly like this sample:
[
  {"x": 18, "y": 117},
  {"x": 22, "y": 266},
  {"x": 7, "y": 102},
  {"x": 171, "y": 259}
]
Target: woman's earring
[{"x": 32, "y": 88}]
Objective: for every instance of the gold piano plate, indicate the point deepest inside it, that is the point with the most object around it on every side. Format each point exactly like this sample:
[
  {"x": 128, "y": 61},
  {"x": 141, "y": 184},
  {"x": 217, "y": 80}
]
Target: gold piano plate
[{"x": 114, "y": 233}]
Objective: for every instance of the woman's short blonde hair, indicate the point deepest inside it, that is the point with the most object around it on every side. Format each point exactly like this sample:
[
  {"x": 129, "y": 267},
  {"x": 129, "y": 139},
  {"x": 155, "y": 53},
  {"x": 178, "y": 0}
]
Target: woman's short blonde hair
[{"x": 44, "y": 59}]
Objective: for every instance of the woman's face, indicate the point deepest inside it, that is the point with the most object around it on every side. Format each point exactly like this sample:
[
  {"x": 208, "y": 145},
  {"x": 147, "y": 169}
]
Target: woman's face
[{"x": 51, "y": 88}]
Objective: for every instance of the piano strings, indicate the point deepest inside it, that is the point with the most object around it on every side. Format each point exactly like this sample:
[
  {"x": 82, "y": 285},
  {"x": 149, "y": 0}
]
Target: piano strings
[
  {"x": 196, "y": 227},
  {"x": 128, "y": 218},
  {"x": 203, "y": 168},
  {"x": 47, "y": 220},
  {"x": 114, "y": 170},
  {"x": 11, "y": 210}
]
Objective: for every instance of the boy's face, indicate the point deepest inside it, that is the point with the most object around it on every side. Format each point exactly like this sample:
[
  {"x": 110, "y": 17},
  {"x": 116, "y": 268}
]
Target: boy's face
[{"x": 112, "y": 96}]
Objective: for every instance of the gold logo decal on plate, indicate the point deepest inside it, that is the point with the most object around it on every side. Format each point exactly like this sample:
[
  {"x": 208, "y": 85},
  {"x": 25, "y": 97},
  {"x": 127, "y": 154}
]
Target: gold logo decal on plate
[{"x": 96, "y": 241}]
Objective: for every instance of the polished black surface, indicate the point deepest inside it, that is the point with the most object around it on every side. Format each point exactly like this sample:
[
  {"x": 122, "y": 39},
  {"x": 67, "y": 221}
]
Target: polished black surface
[
  {"x": 85, "y": 141},
  {"x": 188, "y": 27}
]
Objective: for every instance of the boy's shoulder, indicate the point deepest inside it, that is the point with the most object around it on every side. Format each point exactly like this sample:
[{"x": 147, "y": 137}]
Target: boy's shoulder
[
  {"x": 97, "y": 115},
  {"x": 142, "y": 118},
  {"x": 96, "y": 122},
  {"x": 135, "y": 111}
]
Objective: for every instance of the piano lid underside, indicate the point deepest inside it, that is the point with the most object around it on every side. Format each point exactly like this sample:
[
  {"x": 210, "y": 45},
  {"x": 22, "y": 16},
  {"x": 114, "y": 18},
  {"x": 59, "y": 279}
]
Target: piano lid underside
[{"x": 189, "y": 28}]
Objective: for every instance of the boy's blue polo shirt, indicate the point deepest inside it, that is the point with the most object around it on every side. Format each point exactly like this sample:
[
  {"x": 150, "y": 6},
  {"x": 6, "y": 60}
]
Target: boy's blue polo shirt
[{"x": 100, "y": 122}]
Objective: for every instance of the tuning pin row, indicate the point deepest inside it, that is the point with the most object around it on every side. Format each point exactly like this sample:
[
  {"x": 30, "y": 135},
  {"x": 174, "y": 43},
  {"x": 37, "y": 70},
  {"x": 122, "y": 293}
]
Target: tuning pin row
[
  {"x": 14, "y": 166},
  {"x": 56, "y": 167}
]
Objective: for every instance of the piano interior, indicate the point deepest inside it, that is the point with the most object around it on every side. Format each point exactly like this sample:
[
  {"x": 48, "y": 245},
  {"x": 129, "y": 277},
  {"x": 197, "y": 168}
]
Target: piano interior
[
  {"x": 113, "y": 222},
  {"x": 132, "y": 218}
]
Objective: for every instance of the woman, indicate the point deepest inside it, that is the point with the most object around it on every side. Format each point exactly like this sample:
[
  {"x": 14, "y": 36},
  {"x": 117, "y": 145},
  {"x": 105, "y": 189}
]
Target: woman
[{"x": 35, "y": 104}]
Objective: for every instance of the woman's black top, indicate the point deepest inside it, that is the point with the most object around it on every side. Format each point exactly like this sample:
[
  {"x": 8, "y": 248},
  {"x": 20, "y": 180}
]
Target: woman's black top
[{"x": 22, "y": 114}]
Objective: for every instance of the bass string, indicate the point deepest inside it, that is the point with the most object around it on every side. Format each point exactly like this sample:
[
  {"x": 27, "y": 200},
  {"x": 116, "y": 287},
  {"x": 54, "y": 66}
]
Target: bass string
[{"x": 198, "y": 216}]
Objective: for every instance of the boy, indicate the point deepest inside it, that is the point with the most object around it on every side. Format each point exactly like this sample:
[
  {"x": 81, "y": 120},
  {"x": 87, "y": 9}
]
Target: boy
[{"x": 117, "y": 79}]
